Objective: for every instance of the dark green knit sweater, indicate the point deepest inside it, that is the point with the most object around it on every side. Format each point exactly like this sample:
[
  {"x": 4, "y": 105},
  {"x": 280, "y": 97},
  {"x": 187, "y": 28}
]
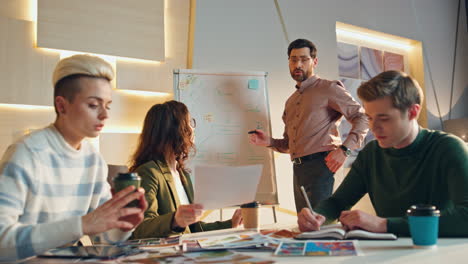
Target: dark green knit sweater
[{"x": 432, "y": 170}]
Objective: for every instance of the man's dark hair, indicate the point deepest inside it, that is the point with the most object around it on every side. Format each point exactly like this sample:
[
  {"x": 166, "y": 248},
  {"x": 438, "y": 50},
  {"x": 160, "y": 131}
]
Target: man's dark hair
[{"x": 303, "y": 43}]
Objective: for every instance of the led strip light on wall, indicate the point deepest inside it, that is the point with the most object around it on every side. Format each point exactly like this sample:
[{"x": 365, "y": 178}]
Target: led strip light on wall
[
  {"x": 26, "y": 107},
  {"x": 374, "y": 39}
]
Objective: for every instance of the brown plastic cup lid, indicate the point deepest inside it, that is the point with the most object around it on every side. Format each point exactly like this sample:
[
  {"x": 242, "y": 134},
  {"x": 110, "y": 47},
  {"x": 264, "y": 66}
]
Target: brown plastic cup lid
[
  {"x": 423, "y": 210},
  {"x": 251, "y": 205}
]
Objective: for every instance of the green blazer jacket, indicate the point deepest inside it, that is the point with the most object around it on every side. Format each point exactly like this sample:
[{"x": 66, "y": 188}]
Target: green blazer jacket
[{"x": 163, "y": 201}]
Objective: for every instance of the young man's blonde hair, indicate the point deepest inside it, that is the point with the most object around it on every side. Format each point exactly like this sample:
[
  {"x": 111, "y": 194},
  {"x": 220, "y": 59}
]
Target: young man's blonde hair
[
  {"x": 402, "y": 89},
  {"x": 69, "y": 70}
]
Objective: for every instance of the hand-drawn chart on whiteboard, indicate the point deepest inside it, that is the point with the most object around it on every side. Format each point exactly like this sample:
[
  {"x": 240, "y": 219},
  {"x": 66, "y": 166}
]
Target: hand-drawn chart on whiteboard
[{"x": 226, "y": 106}]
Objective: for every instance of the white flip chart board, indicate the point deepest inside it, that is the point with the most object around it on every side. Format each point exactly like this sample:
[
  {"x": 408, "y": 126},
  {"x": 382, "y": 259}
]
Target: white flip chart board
[{"x": 226, "y": 105}]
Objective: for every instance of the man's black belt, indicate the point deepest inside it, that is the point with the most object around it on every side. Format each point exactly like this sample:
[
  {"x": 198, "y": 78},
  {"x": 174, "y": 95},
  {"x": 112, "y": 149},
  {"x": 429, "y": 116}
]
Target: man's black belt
[{"x": 308, "y": 157}]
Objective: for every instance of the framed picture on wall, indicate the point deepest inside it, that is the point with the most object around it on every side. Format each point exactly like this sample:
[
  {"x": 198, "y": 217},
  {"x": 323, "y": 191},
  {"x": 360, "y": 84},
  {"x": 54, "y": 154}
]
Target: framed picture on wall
[{"x": 357, "y": 64}]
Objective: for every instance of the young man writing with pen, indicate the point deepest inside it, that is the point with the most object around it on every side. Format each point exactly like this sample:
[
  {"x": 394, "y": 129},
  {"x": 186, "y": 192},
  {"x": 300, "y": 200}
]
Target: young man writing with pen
[{"x": 405, "y": 165}]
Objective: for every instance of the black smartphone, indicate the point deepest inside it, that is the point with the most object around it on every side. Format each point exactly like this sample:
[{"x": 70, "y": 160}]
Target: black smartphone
[{"x": 99, "y": 252}]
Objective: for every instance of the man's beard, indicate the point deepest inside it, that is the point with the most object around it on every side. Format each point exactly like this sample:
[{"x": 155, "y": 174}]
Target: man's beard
[{"x": 300, "y": 78}]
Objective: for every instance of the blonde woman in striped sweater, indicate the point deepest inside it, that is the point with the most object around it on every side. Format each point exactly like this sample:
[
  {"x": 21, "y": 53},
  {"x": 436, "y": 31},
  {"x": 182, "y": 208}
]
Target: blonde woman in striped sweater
[{"x": 53, "y": 187}]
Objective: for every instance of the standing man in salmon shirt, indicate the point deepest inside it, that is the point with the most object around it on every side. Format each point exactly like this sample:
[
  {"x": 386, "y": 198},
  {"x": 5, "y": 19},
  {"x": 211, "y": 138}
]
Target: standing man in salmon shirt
[{"x": 312, "y": 115}]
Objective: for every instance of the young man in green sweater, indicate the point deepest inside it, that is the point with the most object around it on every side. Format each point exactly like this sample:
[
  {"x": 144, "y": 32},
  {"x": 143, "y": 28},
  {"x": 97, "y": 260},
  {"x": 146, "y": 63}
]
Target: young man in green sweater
[{"x": 405, "y": 165}]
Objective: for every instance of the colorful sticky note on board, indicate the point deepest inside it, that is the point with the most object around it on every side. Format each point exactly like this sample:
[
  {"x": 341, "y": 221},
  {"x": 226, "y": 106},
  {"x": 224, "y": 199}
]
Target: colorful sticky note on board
[{"x": 253, "y": 84}]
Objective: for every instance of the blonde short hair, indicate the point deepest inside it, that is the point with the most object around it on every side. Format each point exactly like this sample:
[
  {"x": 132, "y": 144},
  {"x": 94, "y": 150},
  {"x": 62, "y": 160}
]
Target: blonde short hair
[
  {"x": 82, "y": 64},
  {"x": 69, "y": 70}
]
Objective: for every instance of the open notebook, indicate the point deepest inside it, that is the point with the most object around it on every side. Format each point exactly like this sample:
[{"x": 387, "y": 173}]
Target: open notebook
[{"x": 337, "y": 231}]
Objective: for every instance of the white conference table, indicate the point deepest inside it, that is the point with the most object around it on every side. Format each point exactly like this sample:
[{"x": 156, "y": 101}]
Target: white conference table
[{"x": 448, "y": 251}]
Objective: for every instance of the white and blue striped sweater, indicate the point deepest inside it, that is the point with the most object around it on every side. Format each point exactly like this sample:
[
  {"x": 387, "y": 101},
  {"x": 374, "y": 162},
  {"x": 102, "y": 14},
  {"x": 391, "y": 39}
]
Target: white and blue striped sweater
[{"x": 45, "y": 188}]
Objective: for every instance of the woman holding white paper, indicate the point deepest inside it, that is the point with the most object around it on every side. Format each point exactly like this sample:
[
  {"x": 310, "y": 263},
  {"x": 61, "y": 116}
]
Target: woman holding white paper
[{"x": 164, "y": 145}]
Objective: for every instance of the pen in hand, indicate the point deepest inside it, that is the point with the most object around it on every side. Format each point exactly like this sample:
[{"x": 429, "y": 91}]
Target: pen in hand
[
  {"x": 307, "y": 201},
  {"x": 252, "y": 132}
]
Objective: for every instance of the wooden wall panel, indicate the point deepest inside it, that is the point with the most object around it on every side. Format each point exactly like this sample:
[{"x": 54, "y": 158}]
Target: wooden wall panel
[
  {"x": 14, "y": 123},
  {"x": 157, "y": 77},
  {"x": 133, "y": 29},
  {"x": 128, "y": 111},
  {"x": 25, "y": 72},
  {"x": 22, "y": 65},
  {"x": 416, "y": 62},
  {"x": 18, "y": 9},
  {"x": 120, "y": 153},
  {"x": 139, "y": 76}
]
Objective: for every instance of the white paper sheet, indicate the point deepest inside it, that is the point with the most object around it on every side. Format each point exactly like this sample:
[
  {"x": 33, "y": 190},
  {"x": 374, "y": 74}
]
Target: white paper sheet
[{"x": 224, "y": 186}]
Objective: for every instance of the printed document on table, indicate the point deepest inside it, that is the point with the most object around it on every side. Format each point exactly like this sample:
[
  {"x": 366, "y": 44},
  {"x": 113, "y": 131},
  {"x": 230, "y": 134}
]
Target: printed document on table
[{"x": 225, "y": 186}]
